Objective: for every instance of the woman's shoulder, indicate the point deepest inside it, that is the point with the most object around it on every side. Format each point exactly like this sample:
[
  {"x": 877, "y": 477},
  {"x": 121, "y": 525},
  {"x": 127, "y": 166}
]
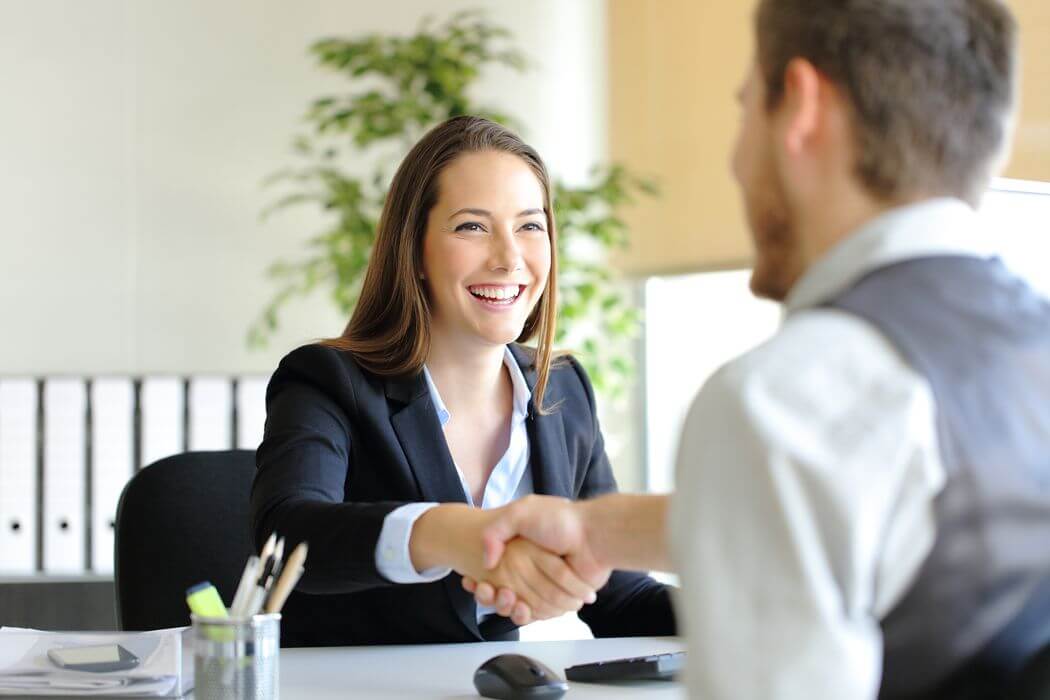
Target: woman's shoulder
[
  {"x": 318, "y": 358},
  {"x": 567, "y": 382},
  {"x": 327, "y": 369}
]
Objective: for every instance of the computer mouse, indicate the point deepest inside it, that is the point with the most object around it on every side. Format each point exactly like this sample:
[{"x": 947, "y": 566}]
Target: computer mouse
[{"x": 516, "y": 677}]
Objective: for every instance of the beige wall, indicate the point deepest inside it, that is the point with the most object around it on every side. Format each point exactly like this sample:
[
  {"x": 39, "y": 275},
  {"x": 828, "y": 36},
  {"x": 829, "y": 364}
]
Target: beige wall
[
  {"x": 1031, "y": 158},
  {"x": 674, "y": 68}
]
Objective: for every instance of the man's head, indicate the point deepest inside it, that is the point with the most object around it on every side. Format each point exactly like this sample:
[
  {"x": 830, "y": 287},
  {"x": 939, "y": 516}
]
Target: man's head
[{"x": 853, "y": 106}]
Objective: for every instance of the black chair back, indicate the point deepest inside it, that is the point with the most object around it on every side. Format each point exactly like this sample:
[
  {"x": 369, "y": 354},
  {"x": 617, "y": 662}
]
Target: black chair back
[{"x": 180, "y": 521}]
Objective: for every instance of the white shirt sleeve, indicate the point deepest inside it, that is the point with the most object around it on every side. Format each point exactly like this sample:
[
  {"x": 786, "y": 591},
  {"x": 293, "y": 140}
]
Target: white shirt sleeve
[
  {"x": 393, "y": 559},
  {"x": 806, "y": 475}
]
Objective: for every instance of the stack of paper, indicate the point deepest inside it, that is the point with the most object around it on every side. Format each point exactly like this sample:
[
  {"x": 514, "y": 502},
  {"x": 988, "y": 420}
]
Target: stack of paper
[{"x": 165, "y": 669}]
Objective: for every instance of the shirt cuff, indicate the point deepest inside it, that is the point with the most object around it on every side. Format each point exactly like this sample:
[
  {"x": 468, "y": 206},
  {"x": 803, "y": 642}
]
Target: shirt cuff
[{"x": 393, "y": 559}]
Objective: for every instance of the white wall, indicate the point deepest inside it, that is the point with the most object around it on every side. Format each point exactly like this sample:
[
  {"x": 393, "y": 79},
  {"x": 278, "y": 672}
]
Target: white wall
[{"x": 133, "y": 139}]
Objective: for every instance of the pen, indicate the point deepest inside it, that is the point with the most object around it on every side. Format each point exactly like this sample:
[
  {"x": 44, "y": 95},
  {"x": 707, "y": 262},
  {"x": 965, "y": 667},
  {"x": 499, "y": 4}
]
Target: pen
[
  {"x": 278, "y": 556},
  {"x": 244, "y": 588},
  {"x": 290, "y": 576},
  {"x": 260, "y": 563},
  {"x": 258, "y": 594},
  {"x": 267, "y": 549}
]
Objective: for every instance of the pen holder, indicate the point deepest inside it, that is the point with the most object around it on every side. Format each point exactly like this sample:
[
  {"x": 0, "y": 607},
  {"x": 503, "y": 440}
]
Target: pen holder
[{"x": 236, "y": 659}]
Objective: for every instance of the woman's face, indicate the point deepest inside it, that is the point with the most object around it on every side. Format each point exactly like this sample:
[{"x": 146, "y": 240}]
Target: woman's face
[{"x": 486, "y": 251}]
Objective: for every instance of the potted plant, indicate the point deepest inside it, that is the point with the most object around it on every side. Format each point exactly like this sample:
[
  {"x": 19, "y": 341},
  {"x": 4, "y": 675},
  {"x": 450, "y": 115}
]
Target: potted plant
[{"x": 398, "y": 88}]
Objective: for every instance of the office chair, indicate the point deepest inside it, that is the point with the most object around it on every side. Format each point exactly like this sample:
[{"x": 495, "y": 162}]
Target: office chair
[{"x": 180, "y": 521}]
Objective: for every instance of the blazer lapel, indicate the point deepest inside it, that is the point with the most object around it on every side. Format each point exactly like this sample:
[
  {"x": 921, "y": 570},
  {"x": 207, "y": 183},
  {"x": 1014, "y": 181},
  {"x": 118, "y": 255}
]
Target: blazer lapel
[
  {"x": 418, "y": 429},
  {"x": 552, "y": 473}
]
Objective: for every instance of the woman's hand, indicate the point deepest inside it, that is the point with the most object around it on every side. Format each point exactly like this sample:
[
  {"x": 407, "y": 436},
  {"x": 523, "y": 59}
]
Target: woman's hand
[
  {"x": 542, "y": 583},
  {"x": 536, "y": 584},
  {"x": 503, "y": 600}
]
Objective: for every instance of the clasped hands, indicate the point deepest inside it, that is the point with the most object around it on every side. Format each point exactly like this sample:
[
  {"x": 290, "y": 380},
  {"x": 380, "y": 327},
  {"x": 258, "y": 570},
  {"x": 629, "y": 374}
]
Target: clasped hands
[{"x": 537, "y": 560}]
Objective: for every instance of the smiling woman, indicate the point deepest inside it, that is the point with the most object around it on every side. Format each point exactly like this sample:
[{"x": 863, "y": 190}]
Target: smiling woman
[
  {"x": 487, "y": 250},
  {"x": 387, "y": 448}
]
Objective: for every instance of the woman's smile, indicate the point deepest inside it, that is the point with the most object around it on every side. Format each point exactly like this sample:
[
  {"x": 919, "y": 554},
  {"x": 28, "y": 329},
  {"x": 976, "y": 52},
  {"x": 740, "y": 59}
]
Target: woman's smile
[{"x": 497, "y": 297}]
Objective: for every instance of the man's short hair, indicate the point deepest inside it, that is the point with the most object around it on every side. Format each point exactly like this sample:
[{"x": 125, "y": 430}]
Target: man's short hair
[{"x": 931, "y": 84}]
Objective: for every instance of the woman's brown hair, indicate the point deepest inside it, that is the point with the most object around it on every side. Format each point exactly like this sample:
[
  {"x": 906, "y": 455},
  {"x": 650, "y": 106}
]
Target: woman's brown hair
[{"x": 389, "y": 330}]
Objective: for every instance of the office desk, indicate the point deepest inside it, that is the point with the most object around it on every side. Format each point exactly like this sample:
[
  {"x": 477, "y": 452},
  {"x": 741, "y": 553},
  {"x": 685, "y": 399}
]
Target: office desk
[{"x": 447, "y": 670}]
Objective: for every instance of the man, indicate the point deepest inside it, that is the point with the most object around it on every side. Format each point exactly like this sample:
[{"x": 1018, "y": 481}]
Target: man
[{"x": 863, "y": 503}]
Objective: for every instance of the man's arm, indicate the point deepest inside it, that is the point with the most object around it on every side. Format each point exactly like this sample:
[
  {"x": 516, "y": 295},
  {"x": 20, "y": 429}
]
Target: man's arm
[{"x": 618, "y": 531}]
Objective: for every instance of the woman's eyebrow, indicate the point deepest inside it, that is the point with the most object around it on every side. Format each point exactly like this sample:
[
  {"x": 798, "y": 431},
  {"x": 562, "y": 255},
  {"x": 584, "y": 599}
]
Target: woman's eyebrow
[
  {"x": 475, "y": 212},
  {"x": 486, "y": 212}
]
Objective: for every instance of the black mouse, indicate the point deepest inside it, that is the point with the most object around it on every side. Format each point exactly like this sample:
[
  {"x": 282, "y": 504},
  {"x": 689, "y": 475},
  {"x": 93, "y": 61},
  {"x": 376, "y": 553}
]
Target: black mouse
[{"x": 516, "y": 677}]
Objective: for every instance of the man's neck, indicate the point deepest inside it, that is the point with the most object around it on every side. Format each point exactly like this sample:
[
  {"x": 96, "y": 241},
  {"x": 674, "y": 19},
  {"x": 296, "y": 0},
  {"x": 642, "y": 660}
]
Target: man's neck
[{"x": 825, "y": 224}]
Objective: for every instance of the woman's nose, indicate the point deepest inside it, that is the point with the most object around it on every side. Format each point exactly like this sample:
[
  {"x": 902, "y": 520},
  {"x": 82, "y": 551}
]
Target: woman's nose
[{"x": 505, "y": 252}]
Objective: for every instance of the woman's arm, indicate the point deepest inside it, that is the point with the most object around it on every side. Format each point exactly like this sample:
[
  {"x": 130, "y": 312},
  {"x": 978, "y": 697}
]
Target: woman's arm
[{"x": 298, "y": 491}]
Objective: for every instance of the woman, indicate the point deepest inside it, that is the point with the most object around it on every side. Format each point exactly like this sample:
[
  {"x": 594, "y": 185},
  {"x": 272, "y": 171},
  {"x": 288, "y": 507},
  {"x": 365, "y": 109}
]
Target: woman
[{"x": 378, "y": 442}]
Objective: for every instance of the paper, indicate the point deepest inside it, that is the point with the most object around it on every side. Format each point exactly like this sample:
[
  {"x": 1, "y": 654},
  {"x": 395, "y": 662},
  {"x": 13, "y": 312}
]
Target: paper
[{"x": 165, "y": 668}]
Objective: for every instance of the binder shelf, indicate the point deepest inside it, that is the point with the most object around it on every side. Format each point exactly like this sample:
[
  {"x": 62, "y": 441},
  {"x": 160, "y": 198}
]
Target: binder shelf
[{"x": 69, "y": 444}]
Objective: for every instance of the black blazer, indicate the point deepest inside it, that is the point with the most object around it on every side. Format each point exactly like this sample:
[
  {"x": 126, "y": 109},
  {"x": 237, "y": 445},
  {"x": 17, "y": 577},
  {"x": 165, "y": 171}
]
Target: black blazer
[{"x": 344, "y": 447}]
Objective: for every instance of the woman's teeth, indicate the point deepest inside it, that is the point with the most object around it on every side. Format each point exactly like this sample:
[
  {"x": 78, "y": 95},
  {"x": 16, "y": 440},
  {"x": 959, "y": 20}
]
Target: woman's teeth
[{"x": 497, "y": 295}]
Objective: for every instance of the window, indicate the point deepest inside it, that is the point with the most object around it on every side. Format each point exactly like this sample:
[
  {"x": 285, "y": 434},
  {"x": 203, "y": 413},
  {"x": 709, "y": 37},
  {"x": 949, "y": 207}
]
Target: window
[{"x": 723, "y": 320}]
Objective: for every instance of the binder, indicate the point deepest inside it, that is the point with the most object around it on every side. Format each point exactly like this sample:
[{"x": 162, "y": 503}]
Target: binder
[
  {"x": 251, "y": 411},
  {"x": 65, "y": 524},
  {"x": 112, "y": 461},
  {"x": 18, "y": 476},
  {"x": 211, "y": 414},
  {"x": 162, "y": 414}
]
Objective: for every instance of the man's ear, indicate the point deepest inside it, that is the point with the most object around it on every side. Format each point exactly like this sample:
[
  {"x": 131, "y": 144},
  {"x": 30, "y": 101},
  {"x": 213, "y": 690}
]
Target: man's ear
[{"x": 801, "y": 105}]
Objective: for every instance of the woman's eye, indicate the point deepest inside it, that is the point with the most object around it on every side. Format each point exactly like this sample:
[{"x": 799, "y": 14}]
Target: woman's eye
[
  {"x": 471, "y": 227},
  {"x": 532, "y": 226}
]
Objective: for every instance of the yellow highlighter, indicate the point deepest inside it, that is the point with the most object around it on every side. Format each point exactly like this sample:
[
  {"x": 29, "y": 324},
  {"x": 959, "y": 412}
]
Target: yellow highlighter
[{"x": 204, "y": 601}]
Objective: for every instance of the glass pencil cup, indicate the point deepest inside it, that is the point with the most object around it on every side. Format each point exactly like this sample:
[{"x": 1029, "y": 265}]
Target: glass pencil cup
[{"x": 236, "y": 659}]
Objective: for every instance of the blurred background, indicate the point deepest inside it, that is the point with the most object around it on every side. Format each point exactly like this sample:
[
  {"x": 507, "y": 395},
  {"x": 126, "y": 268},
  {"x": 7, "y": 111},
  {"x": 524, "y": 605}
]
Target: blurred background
[{"x": 188, "y": 191}]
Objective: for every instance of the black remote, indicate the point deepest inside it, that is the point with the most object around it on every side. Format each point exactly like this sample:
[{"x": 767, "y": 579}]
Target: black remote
[{"x": 658, "y": 667}]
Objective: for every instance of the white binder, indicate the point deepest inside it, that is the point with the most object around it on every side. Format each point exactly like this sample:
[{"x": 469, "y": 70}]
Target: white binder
[
  {"x": 65, "y": 524},
  {"x": 18, "y": 476},
  {"x": 251, "y": 411},
  {"x": 112, "y": 461},
  {"x": 211, "y": 413},
  {"x": 161, "y": 405}
]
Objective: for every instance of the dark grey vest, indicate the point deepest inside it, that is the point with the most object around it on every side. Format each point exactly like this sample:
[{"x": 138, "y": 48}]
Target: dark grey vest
[{"x": 981, "y": 602}]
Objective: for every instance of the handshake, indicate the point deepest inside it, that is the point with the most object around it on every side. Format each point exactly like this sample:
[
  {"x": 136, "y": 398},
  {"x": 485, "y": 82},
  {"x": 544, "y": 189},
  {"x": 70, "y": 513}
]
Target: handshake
[{"x": 542, "y": 556}]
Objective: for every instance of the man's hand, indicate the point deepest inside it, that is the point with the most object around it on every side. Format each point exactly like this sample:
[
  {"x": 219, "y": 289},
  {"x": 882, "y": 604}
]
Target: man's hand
[
  {"x": 541, "y": 582},
  {"x": 556, "y": 524},
  {"x": 536, "y": 584},
  {"x": 626, "y": 531}
]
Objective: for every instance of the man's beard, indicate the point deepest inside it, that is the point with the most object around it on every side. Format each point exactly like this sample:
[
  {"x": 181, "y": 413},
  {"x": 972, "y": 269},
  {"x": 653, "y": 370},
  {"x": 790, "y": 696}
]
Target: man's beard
[{"x": 776, "y": 243}]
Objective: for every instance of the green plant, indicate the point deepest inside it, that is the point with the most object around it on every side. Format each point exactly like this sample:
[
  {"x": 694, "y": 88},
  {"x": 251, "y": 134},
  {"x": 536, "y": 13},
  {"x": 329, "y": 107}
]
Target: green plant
[{"x": 402, "y": 86}]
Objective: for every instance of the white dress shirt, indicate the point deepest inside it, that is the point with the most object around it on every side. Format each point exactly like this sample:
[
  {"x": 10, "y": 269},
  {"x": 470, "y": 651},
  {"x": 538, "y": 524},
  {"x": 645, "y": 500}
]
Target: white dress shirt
[
  {"x": 510, "y": 480},
  {"x": 806, "y": 477}
]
